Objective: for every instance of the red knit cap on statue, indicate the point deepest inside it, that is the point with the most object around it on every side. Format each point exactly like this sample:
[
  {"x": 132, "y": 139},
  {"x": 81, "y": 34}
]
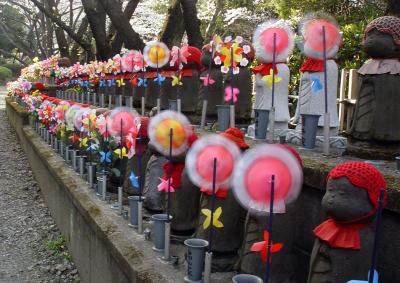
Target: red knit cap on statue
[
  {"x": 195, "y": 55},
  {"x": 386, "y": 24},
  {"x": 237, "y": 136},
  {"x": 362, "y": 175},
  {"x": 144, "y": 123}
]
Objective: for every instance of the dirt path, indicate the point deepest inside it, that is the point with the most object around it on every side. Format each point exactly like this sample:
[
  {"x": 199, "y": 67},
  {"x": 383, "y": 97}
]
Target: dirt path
[{"x": 31, "y": 246}]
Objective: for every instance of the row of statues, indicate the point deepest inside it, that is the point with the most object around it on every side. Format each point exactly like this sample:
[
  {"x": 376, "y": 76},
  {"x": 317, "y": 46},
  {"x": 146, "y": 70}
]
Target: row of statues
[{"x": 373, "y": 132}]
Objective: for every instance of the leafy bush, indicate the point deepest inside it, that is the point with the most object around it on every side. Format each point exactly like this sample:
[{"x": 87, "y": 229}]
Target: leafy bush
[
  {"x": 15, "y": 68},
  {"x": 5, "y": 73}
]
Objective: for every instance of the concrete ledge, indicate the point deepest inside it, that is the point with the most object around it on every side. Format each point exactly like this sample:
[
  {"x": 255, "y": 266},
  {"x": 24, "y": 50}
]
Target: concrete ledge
[{"x": 103, "y": 247}]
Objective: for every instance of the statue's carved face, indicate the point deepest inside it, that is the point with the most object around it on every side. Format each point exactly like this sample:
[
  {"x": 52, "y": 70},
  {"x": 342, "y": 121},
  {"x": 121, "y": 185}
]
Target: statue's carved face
[
  {"x": 380, "y": 45},
  {"x": 345, "y": 202}
]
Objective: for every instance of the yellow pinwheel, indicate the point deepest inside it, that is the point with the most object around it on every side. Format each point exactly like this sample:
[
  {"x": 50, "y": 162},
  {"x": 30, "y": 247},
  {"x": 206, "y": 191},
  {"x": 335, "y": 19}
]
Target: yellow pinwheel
[
  {"x": 83, "y": 142},
  {"x": 176, "y": 80},
  {"x": 226, "y": 52},
  {"x": 216, "y": 215},
  {"x": 120, "y": 82},
  {"x": 268, "y": 78},
  {"x": 121, "y": 153},
  {"x": 90, "y": 119}
]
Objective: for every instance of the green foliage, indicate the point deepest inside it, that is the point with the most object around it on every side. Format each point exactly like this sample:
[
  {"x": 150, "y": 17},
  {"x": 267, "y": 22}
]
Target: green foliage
[
  {"x": 14, "y": 20},
  {"x": 15, "y": 68},
  {"x": 58, "y": 248},
  {"x": 5, "y": 73}
]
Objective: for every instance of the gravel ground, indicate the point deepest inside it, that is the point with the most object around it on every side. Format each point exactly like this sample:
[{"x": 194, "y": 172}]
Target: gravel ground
[{"x": 31, "y": 246}]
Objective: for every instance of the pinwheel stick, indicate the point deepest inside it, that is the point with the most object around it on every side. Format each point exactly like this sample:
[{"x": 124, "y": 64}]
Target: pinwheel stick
[
  {"x": 171, "y": 132},
  {"x": 159, "y": 86},
  {"x": 205, "y": 98},
  {"x": 271, "y": 213},
  {"x": 272, "y": 112},
  {"x": 232, "y": 108},
  {"x": 327, "y": 115},
  {"x": 210, "y": 234},
  {"x": 120, "y": 156},
  {"x": 178, "y": 99},
  {"x": 90, "y": 142},
  {"x": 376, "y": 239},
  {"x": 144, "y": 87}
]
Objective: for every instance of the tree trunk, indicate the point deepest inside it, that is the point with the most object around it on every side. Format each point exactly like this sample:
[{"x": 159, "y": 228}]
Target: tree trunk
[
  {"x": 174, "y": 28},
  {"x": 192, "y": 23},
  {"x": 97, "y": 21},
  {"x": 118, "y": 41},
  {"x": 393, "y": 8},
  {"x": 62, "y": 42},
  {"x": 131, "y": 38},
  {"x": 211, "y": 26}
]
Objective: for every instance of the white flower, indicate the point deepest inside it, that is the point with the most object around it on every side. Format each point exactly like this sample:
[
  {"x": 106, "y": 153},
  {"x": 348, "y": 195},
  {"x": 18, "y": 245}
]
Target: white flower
[
  {"x": 228, "y": 39},
  {"x": 244, "y": 62},
  {"x": 236, "y": 70},
  {"x": 217, "y": 60},
  {"x": 239, "y": 39},
  {"x": 224, "y": 69},
  {"x": 246, "y": 49}
]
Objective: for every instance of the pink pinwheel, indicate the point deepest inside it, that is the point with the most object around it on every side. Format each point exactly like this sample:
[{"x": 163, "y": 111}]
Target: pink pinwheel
[
  {"x": 229, "y": 93},
  {"x": 101, "y": 125},
  {"x": 207, "y": 80},
  {"x": 163, "y": 186},
  {"x": 138, "y": 61},
  {"x": 127, "y": 61},
  {"x": 117, "y": 64},
  {"x": 179, "y": 55},
  {"x": 262, "y": 247}
]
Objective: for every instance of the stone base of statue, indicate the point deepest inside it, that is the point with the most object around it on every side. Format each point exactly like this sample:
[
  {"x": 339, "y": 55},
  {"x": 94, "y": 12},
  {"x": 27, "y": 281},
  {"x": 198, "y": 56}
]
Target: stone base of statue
[
  {"x": 372, "y": 150},
  {"x": 295, "y": 137}
]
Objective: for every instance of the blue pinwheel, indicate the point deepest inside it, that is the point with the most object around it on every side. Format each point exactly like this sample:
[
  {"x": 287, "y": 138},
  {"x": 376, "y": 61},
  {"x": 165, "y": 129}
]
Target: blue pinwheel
[
  {"x": 111, "y": 82},
  {"x": 375, "y": 280},
  {"x": 159, "y": 79},
  {"x": 105, "y": 157},
  {"x": 85, "y": 83},
  {"x": 316, "y": 84},
  {"x": 134, "y": 180},
  {"x": 142, "y": 82},
  {"x": 93, "y": 147},
  {"x": 102, "y": 83}
]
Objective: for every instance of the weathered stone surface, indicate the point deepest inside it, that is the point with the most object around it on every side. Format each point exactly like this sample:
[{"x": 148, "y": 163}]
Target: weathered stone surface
[
  {"x": 154, "y": 199},
  {"x": 185, "y": 203},
  {"x": 263, "y": 99},
  {"x": 343, "y": 202},
  {"x": 227, "y": 240}
]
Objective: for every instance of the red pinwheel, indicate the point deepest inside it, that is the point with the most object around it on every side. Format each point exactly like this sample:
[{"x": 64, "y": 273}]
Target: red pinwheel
[
  {"x": 262, "y": 247},
  {"x": 263, "y": 40},
  {"x": 200, "y": 160},
  {"x": 122, "y": 121},
  {"x": 311, "y": 30},
  {"x": 253, "y": 172}
]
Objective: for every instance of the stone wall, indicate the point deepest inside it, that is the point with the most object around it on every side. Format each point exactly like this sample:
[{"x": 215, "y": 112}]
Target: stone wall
[{"x": 103, "y": 247}]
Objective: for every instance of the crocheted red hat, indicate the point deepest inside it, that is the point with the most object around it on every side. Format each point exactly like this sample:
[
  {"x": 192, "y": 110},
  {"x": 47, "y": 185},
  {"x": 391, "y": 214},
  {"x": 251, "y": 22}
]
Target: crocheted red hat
[
  {"x": 386, "y": 24},
  {"x": 364, "y": 176},
  {"x": 236, "y": 135},
  {"x": 144, "y": 123},
  {"x": 195, "y": 55}
]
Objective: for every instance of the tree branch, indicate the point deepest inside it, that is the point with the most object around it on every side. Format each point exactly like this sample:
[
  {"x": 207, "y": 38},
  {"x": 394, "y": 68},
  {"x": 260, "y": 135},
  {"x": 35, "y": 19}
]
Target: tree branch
[
  {"x": 131, "y": 38},
  {"x": 192, "y": 23},
  {"x": 85, "y": 45}
]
